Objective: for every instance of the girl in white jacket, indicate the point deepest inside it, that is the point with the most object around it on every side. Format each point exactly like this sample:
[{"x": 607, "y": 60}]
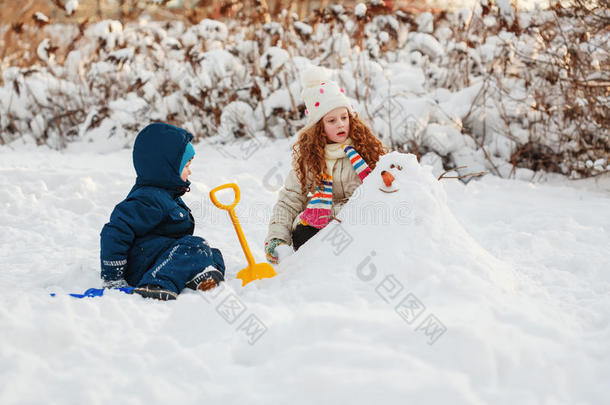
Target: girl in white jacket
[{"x": 335, "y": 151}]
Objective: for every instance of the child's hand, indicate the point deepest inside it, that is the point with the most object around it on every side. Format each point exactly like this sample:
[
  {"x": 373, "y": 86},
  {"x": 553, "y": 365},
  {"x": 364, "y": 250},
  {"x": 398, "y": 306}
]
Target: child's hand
[{"x": 270, "y": 252}]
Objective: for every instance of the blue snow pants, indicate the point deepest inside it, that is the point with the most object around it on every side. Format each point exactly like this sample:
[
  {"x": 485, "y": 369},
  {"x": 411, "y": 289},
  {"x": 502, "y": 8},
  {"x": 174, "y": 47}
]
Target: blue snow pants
[{"x": 178, "y": 264}]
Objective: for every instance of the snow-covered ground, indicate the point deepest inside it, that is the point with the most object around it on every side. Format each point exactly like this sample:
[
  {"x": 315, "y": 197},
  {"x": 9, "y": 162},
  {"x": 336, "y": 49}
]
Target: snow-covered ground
[{"x": 494, "y": 292}]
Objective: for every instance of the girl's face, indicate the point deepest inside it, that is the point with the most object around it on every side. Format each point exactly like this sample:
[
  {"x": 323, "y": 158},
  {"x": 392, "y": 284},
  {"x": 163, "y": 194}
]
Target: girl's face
[
  {"x": 336, "y": 125},
  {"x": 186, "y": 172}
]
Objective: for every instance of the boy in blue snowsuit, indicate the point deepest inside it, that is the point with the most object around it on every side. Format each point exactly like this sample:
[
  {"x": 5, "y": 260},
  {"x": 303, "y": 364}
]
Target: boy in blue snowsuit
[{"x": 148, "y": 242}]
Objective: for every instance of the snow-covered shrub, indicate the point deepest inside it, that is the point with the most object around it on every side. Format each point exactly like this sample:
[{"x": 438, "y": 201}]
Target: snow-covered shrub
[{"x": 489, "y": 88}]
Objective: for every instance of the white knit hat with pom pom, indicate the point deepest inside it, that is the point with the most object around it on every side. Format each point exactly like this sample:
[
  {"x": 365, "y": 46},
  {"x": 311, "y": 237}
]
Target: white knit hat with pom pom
[{"x": 321, "y": 95}]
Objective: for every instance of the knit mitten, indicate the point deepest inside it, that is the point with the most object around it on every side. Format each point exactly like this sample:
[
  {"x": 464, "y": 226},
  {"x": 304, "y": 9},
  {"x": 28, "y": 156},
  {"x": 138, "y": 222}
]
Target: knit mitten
[{"x": 270, "y": 252}]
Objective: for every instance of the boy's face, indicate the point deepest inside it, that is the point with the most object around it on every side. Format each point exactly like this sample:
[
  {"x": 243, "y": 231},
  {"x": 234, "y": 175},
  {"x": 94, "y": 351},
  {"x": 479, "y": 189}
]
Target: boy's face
[
  {"x": 186, "y": 172},
  {"x": 336, "y": 125}
]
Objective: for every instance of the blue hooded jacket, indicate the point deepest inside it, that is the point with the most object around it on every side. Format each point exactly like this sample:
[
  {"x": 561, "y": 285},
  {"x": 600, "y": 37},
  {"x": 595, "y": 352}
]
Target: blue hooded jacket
[{"x": 152, "y": 216}]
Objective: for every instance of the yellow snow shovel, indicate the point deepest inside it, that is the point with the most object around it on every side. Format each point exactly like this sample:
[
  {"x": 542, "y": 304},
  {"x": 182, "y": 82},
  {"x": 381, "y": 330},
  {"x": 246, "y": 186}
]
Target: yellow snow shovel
[{"x": 254, "y": 271}]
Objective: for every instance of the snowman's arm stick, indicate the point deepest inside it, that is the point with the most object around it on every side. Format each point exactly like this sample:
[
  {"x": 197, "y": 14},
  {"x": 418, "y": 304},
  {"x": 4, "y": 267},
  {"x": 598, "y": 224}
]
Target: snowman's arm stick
[{"x": 442, "y": 176}]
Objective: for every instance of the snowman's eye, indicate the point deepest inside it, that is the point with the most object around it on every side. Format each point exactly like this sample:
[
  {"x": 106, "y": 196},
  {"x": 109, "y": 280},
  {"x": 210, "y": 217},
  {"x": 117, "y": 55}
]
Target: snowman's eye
[
  {"x": 399, "y": 167},
  {"x": 392, "y": 166}
]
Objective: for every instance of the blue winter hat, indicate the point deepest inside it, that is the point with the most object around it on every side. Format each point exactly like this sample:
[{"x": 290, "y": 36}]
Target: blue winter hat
[{"x": 189, "y": 152}]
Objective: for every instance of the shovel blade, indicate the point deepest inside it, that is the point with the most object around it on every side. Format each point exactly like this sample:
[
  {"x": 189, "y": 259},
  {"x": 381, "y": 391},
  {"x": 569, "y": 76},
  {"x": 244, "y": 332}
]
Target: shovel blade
[{"x": 256, "y": 272}]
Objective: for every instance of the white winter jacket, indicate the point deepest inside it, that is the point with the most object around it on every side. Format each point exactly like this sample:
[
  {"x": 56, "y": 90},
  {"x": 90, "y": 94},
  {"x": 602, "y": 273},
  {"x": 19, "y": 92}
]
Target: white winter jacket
[{"x": 292, "y": 201}]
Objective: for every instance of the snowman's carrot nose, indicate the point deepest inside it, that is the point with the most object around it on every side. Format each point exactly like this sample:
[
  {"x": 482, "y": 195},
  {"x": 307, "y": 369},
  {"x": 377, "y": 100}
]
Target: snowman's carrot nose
[{"x": 387, "y": 178}]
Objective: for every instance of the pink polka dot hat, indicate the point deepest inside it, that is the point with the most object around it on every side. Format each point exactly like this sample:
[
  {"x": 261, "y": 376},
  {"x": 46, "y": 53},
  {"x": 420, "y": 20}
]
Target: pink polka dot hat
[{"x": 321, "y": 95}]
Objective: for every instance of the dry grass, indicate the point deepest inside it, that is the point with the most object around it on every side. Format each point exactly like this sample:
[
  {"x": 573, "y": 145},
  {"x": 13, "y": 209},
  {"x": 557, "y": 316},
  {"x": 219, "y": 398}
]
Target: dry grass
[{"x": 20, "y": 33}]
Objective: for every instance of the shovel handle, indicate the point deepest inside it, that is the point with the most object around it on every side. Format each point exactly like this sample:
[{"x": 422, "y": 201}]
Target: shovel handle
[
  {"x": 223, "y": 206},
  {"x": 234, "y": 220}
]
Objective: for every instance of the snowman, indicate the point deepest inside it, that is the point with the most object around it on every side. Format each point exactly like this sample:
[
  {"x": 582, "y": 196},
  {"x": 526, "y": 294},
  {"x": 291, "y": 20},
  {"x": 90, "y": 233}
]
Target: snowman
[{"x": 400, "y": 220}]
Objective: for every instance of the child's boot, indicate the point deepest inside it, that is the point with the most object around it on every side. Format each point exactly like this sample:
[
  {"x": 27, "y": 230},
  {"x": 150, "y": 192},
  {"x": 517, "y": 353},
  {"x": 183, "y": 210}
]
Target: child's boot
[
  {"x": 156, "y": 292},
  {"x": 206, "y": 280}
]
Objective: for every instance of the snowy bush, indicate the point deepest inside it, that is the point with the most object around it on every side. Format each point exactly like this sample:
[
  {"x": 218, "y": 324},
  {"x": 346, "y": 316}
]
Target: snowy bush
[{"x": 491, "y": 88}]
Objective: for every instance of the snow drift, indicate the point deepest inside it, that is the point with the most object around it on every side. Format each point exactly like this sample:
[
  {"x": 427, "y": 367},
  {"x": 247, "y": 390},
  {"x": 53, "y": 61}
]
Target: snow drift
[
  {"x": 515, "y": 313},
  {"x": 399, "y": 274}
]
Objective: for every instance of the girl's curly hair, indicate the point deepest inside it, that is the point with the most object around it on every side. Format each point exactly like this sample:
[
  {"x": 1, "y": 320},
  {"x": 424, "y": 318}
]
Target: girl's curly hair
[{"x": 308, "y": 151}]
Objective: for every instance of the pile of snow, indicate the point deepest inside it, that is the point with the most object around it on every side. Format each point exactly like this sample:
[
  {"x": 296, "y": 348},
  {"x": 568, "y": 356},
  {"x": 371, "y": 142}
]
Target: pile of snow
[
  {"x": 71, "y": 6},
  {"x": 445, "y": 293},
  {"x": 428, "y": 243}
]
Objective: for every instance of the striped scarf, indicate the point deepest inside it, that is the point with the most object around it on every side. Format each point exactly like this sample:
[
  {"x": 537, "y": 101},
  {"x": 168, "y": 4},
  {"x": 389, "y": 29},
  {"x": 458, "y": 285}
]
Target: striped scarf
[{"x": 318, "y": 211}]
